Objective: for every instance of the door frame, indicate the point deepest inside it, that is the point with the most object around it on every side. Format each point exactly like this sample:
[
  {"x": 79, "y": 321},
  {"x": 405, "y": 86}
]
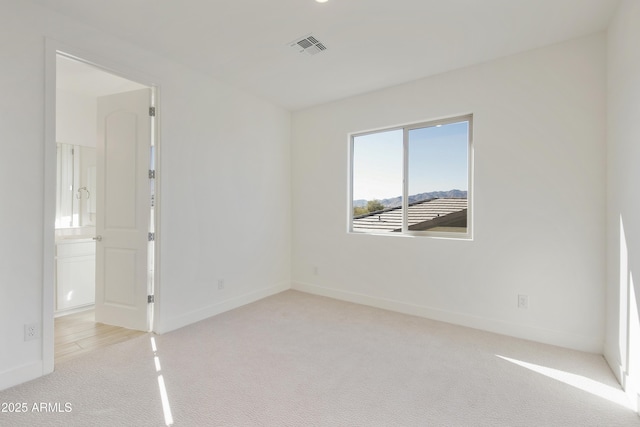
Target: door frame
[{"x": 54, "y": 48}]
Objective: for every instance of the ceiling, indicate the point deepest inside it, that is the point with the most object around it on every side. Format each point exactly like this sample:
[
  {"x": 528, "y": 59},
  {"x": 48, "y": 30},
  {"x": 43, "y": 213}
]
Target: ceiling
[{"x": 371, "y": 44}]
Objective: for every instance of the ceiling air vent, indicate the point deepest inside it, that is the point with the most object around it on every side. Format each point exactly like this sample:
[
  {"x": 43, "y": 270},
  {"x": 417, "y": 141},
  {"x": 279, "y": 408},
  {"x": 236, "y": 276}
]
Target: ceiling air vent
[{"x": 309, "y": 45}]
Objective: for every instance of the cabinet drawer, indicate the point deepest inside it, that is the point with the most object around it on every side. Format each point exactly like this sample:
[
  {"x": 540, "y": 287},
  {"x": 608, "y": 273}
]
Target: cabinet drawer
[{"x": 75, "y": 249}]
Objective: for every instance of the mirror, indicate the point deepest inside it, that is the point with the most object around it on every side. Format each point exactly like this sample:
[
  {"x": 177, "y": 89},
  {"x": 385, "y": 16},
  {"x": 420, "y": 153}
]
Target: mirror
[{"x": 75, "y": 186}]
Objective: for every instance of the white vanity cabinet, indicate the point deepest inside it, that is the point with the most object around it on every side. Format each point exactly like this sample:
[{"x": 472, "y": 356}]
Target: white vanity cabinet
[{"x": 75, "y": 273}]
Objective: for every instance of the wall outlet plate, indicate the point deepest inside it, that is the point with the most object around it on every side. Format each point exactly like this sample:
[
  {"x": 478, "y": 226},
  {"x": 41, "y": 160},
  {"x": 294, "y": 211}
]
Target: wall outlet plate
[
  {"x": 31, "y": 331},
  {"x": 523, "y": 301}
]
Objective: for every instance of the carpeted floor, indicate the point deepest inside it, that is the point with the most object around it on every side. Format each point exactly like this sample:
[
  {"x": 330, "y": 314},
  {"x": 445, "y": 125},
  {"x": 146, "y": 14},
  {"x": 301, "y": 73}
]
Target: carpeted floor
[{"x": 295, "y": 359}]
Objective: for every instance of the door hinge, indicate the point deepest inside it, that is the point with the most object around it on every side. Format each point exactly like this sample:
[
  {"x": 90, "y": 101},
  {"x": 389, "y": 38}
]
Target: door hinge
[
  {"x": 152, "y": 111},
  {"x": 152, "y": 174},
  {"x": 152, "y": 237},
  {"x": 151, "y": 299}
]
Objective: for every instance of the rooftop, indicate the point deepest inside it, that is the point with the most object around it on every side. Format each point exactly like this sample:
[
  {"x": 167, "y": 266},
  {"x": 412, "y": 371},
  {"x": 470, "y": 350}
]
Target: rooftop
[{"x": 448, "y": 214}]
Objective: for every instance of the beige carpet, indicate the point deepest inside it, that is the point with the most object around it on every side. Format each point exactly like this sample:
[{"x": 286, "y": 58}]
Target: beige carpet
[{"x": 301, "y": 360}]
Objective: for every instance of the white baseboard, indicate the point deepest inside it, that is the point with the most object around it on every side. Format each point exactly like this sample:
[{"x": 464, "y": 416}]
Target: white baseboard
[
  {"x": 581, "y": 343},
  {"x": 186, "y": 319},
  {"x": 20, "y": 375}
]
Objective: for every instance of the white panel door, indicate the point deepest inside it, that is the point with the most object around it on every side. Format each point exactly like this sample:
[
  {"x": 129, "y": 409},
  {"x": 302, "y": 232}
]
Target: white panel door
[{"x": 123, "y": 206}]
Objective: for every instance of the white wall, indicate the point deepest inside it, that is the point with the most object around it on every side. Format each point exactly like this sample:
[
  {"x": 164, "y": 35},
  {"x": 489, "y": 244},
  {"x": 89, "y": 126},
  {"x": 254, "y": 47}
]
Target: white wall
[
  {"x": 76, "y": 118},
  {"x": 539, "y": 213},
  {"x": 622, "y": 348},
  {"x": 225, "y": 197}
]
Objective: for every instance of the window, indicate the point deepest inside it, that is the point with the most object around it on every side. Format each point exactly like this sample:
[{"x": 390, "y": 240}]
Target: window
[{"x": 413, "y": 179}]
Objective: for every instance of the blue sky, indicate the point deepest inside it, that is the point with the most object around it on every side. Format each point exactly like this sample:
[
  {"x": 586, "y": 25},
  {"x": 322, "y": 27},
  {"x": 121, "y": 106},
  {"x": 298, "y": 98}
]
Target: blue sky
[{"x": 437, "y": 161}]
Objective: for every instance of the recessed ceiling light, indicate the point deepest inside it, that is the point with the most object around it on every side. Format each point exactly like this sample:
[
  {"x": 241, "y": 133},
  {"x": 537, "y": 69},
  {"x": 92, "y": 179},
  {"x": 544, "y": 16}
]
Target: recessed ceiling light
[{"x": 322, "y": 1}]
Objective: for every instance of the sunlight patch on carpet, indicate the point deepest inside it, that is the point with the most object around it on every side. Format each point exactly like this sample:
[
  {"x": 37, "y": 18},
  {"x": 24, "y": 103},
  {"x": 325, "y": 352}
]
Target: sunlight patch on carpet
[
  {"x": 168, "y": 417},
  {"x": 578, "y": 381}
]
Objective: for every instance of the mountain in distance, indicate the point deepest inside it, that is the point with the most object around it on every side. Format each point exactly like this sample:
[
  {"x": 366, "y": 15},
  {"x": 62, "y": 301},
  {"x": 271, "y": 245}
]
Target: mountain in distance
[{"x": 397, "y": 201}]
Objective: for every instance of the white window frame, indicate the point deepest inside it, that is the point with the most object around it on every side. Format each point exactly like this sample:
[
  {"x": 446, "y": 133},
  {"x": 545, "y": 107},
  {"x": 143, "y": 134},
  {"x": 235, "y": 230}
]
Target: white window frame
[{"x": 468, "y": 235}]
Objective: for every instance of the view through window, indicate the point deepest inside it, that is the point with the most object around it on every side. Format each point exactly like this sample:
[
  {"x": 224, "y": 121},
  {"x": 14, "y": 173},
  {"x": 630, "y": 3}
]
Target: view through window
[{"x": 414, "y": 179}]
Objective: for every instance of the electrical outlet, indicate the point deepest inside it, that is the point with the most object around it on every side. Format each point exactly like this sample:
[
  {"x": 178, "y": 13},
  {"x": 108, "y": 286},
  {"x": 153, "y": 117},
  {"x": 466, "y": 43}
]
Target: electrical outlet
[
  {"x": 523, "y": 301},
  {"x": 220, "y": 284},
  {"x": 31, "y": 331},
  {"x": 315, "y": 270}
]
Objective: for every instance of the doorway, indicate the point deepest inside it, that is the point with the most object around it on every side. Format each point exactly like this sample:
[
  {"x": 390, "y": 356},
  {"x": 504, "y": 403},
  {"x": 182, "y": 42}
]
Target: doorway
[{"x": 105, "y": 206}]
